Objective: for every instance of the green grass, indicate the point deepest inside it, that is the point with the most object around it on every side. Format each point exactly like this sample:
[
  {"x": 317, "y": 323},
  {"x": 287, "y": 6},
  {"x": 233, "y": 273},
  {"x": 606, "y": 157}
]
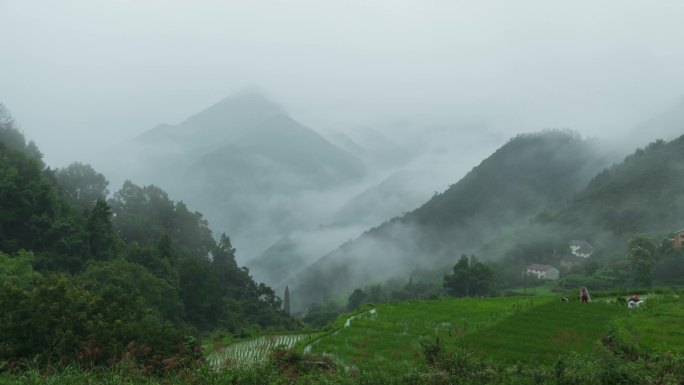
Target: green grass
[
  {"x": 69, "y": 375},
  {"x": 657, "y": 327},
  {"x": 541, "y": 290},
  {"x": 545, "y": 332},
  {"x": 503, "y": 330},
  {"x": 392, "y": 336},
  {"x": 514, "y": 340}
]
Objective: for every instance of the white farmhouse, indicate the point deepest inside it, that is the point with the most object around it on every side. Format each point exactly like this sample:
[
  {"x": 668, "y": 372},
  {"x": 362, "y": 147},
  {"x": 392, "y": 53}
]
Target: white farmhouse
[{"x": 542, "y": 271}]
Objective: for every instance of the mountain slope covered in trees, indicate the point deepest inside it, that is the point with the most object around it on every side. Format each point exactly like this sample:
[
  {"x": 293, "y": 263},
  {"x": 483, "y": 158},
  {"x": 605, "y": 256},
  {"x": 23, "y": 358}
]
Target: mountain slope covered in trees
[
  {"x": 529, "y": 173},
  {"x": 644, "y": 194}
]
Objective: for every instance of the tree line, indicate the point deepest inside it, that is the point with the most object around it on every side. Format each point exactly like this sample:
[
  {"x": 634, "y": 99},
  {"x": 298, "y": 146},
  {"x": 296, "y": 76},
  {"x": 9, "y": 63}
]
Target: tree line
[{"x": 92, "y": 278}]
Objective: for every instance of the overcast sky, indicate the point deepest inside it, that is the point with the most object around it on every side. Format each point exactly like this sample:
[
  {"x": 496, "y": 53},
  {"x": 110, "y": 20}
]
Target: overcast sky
[{"x": 83, "y": 73}]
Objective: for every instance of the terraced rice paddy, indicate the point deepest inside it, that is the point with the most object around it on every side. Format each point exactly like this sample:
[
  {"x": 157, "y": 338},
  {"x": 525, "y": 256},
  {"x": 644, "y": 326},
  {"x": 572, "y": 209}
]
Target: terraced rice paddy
[
  {"x": 247, "y": 353},
  {"x": 543, "y": 333},
  {"x": 504, "y": 330},
  {"x": 393, "y": 334},
  {"x": 658, "y": 327}
]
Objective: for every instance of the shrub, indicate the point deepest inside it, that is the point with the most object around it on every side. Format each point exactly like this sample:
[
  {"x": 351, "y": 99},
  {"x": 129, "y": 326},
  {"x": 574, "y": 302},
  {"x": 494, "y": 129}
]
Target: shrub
[{"x": 293, "y": 364}]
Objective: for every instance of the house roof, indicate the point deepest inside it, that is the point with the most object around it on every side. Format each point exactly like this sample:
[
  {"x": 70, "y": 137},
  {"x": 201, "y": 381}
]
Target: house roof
[{"x": 539, "y": 267}]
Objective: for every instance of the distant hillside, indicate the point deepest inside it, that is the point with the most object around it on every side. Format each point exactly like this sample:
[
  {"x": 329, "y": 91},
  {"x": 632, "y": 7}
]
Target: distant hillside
[
  {"x": 529, "y": 173},
  {"x": 280, "y": 154},
  {"x": 372, "y": 147},
  {"x": 223, "y": 122},
  {"x": 278, "y": 262},
  {"x": 244, "y": 162},
  {"x": 400, "y": 192},
  {"x": 666, "y": 125},
  {"x": 245, "y": 135},
  {"x": 643, "y": 194}
]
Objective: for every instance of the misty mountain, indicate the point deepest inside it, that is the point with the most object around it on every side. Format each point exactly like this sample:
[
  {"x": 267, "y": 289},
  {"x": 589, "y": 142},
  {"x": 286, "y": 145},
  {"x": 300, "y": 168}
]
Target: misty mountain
[
  {"x": 643, "y": 194},
  {"x": 223, "y": 122},
  {"x": 245, "y": 162},
  {"x": 527, "y": 174},
  {"x": 247, "y": 125},
  {"x": 400, "y": 192},
  {"x": 278, "y": 262},
  {"x": 373, "y": 147},
  {"x": 279, "y": 154},
  {"x": 666, "y": 125},
  {"x": 425, "y": 156}
]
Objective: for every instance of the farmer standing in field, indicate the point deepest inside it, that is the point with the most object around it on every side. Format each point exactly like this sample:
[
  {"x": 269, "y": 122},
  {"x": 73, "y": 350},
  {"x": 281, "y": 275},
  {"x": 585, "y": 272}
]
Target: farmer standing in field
[
  {"x": 634, "y": 302},
  {"x": 584, "y": 295}
]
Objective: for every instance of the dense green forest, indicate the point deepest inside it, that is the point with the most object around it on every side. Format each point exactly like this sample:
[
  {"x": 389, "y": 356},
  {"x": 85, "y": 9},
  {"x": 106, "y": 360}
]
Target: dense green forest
[{"x": 90, "y": 278}]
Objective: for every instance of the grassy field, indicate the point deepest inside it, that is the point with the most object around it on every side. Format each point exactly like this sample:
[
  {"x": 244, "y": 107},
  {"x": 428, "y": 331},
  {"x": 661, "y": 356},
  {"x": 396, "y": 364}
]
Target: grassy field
[
  {"x": 505, "y": 330},
  {"x": 545, "y": 332},
  {"x": 541, "y": 290},
  {"x": 656, "y": 328},
  {"x": 514, "y": 340},
  {"x": 393, "y": 334}
]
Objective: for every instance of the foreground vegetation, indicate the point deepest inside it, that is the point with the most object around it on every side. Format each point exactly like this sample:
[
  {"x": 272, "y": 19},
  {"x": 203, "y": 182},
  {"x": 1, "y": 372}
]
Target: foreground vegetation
[
  {"x": 508, "y": 340},
  {"x": 455, "y": 366},
  {"x": 505, "y": 340},
  {"x": 91, "y": 280}
]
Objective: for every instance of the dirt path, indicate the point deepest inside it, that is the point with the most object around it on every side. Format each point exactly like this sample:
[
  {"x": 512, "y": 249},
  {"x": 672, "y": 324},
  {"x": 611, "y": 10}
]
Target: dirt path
[{"x": 372, "y": 312}]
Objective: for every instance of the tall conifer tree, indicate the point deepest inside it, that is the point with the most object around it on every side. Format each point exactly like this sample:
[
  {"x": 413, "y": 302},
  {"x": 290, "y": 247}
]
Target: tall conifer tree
[{"x": 286, "y": 301}]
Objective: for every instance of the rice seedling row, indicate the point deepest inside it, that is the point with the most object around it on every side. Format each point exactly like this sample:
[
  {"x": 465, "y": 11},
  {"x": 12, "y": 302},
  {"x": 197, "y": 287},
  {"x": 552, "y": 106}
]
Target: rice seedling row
[{"x": 247, "y": 353}]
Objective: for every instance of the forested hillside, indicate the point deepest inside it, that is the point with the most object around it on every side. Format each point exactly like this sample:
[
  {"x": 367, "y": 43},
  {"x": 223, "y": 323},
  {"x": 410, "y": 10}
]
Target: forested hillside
[
  {"x": 644, "y": 193},
  {"x": 92, "y": 280},
  {"x": 531, "y": 172}
]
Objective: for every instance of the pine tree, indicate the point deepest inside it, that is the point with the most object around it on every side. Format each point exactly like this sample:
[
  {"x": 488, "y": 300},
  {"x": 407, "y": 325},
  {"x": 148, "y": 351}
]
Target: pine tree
[{"x": 286, "y": 301}]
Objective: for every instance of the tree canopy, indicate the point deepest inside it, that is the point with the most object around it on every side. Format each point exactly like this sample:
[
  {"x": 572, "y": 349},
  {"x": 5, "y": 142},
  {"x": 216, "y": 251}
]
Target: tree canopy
[{"x": 89, "y": 278}]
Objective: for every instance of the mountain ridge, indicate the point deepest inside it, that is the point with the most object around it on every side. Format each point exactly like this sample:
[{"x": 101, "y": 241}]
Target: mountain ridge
[
  {"x": 506, "y": 189},
  {"x": 224, "y": 159}
]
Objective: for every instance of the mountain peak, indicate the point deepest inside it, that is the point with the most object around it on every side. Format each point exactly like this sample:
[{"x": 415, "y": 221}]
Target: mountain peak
[
  {"x": 222, "y": 122},
  {"x": 245, "y": 105}
]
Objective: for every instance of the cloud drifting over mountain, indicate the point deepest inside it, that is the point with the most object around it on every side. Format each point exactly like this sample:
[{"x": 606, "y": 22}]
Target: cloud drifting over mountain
[{"x": 104, "y": 72}]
